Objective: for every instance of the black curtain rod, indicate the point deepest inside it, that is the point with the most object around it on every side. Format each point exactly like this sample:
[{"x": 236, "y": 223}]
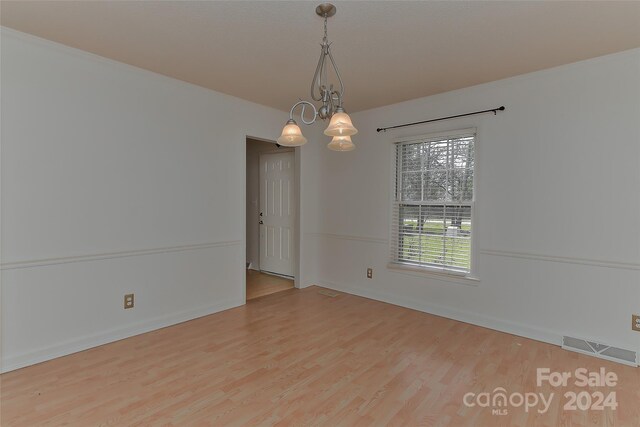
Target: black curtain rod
[{"x": 493, "y": 110}]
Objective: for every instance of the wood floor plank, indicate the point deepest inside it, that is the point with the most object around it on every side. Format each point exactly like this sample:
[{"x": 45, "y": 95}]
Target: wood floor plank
[
  {"x": 260, "y": 284},
  {"x": 301, "y": 358}
]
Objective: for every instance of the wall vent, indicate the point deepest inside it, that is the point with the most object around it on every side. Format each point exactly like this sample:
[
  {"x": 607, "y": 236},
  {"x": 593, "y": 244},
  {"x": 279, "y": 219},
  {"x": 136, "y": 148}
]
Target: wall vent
[{"x": 600, "y": 350}]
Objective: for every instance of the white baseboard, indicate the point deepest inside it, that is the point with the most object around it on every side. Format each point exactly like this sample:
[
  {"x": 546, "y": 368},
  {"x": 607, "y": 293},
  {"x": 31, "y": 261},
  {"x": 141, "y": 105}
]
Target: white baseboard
[
  {"x": 509, "y": 327},
  {"x": 90, "y": 341},
  {"x": 306, "y": 285}
]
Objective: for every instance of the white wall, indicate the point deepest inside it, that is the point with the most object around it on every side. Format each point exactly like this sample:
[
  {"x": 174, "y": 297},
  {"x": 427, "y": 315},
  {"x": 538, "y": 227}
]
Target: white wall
[
  {"x": 558, "y": 203},
  {"x": 115, "y": 180}
]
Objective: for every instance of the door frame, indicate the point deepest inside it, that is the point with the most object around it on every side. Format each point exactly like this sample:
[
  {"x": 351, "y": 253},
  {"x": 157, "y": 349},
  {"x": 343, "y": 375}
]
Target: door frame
[{"x": 296, "y": 226}]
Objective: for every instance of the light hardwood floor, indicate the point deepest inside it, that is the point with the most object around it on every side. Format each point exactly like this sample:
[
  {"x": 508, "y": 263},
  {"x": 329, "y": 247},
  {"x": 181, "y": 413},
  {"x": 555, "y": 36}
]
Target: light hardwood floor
[
  {"x": 261, "y": 284},
  {"x": 301, "y": 358}
]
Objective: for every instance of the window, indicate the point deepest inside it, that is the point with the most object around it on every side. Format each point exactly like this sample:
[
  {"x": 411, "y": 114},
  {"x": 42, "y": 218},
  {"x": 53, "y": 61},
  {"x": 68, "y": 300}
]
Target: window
[{"x": 433, "y": 203}]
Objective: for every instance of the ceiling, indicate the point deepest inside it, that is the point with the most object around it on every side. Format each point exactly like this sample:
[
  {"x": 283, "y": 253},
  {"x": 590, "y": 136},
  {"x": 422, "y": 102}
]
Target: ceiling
[{"x": 387, "y": 52}]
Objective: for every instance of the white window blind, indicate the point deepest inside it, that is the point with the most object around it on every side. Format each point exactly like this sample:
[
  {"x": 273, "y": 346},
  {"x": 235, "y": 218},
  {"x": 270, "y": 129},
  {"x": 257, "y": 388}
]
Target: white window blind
[{"x": 433, "y": 203}]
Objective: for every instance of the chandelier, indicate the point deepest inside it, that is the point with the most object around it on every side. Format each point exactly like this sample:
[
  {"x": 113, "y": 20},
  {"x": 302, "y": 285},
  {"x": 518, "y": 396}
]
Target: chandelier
[{"x": 340, "y": 126}]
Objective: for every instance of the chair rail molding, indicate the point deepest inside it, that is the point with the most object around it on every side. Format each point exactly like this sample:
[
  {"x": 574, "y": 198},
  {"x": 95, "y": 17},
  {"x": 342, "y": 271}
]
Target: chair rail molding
[
  {"x": 118, "y": 254},
  {"x": 562, "y": 259}
]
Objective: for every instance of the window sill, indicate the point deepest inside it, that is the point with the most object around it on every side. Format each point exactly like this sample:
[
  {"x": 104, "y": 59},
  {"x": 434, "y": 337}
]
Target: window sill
[{"x": 438, "y": 274}]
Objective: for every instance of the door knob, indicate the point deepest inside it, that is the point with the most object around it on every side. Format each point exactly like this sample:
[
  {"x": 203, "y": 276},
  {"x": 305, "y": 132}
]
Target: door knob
[{"x": 261, "y": 222}]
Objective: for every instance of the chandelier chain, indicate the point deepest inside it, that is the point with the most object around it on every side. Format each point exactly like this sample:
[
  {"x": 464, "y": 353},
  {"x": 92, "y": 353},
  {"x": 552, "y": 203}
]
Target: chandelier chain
[{"x": 325, "y": 28}]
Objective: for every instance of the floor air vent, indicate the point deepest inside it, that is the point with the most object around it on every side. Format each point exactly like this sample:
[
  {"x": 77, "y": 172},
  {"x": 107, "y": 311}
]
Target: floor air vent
[
  {"x": 600, "y": 350},
  {"x": 328, "y": 293}
]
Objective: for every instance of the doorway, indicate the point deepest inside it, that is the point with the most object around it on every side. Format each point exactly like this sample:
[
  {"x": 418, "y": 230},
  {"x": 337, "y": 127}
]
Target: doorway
[{"x": 270, "y": 218}]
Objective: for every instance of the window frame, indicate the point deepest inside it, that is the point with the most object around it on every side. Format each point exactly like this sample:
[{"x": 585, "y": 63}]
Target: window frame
[{"x": 442, "y": 273}]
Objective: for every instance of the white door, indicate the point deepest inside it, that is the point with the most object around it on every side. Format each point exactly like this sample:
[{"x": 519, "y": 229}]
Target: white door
[{"x": 277, "y": 211}]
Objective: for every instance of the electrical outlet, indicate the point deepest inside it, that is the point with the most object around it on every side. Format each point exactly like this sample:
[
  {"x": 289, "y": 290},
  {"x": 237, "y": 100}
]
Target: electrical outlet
[
  {"x": 128, "y": 301},
  {"x": 369, "y": 273},
  {"x": 635, "y": 322}
]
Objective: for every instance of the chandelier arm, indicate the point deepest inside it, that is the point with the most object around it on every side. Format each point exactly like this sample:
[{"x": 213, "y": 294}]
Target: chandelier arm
[
  {"x": 304, "y": 105},
  {"x": 322, "y": 76},
  {"x": 316, "y": 78},
  {"x": 335, "y": 68}
]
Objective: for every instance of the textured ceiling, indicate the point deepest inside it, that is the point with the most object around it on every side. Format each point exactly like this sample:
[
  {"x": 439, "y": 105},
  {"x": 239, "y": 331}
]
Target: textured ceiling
[{"x": 387, "y": 52}]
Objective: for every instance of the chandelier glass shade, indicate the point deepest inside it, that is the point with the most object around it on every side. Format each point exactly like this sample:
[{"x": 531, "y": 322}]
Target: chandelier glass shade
[
  {"x": 341, "y": 143},
  {"x": 291, "y": 135},
  {"x": 340, "y": 125},
  {"x": 323, "y": 91}
]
